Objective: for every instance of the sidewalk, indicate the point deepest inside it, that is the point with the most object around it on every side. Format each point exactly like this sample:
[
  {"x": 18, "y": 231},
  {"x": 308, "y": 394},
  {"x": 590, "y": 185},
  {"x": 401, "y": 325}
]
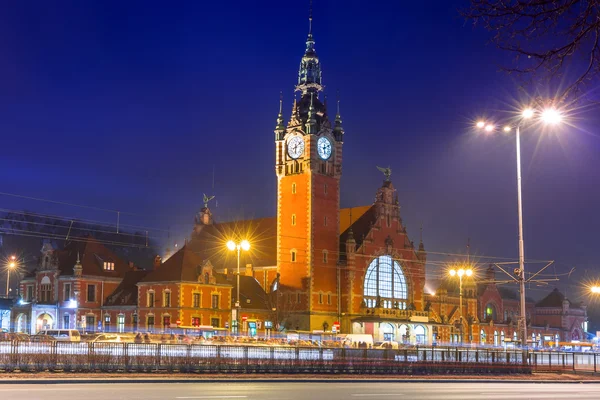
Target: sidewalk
[{"x": 97, "y": 378}]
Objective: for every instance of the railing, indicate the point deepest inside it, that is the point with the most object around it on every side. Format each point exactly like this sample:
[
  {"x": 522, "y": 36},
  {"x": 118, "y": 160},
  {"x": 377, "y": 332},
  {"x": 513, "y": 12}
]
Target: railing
[{"x": 89, "y": 357}]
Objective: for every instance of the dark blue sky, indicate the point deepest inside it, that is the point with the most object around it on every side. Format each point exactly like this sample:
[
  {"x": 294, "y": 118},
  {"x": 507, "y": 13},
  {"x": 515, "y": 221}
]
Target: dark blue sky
[{"x": 129, "y": 105}]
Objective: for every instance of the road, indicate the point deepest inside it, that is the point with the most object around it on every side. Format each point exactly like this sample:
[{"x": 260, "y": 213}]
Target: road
[{"x": 301, "y": 391}]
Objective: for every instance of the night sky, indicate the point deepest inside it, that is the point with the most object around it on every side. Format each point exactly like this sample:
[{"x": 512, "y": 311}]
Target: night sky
[{"x": 130, "y": 106}]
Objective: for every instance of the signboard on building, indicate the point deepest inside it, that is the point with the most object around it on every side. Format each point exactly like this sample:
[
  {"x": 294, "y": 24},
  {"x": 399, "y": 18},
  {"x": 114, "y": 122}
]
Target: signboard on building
[{"x": 416, "y": 318}]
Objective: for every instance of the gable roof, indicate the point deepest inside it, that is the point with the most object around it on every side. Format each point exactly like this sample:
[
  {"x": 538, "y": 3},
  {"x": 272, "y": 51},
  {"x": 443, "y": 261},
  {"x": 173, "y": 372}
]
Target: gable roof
[
  {"x": 250, "y": 290},
  {"x": 92, "y": 255},
  {"x": 349, "y": 215},
  {"x": 126, "y": 294},
  {"x": 555, "y": 300},
  {"x": 360, "y": 228},
  {"x": 183, "y": 266}
]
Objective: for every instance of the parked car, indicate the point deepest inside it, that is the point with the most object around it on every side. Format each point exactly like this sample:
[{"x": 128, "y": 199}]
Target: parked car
[{"x": 63, "y": 335}]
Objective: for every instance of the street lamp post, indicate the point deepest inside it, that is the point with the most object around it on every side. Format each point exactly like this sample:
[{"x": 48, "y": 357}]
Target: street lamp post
[
  {"x": 11, "y": 265},
  {"x": 460, "y": 273},
  {"x": 548, "y": 116},
  {"x": 243, "y": 245}
]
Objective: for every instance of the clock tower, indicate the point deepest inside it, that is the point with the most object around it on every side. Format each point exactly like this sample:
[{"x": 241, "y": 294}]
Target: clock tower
[{"x": 308, "y": 164}]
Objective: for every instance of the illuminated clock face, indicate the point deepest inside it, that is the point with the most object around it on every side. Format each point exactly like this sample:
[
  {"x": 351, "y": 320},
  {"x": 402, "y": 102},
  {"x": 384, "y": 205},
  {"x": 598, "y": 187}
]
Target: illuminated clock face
[
  {"x": 295, "y": 147},
  {"x": 324, "y": 148}
]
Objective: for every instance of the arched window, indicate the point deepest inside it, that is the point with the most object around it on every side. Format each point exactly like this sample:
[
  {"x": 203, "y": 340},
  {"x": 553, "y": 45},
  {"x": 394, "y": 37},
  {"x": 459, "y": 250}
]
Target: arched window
[
  {"x": 294, "y": 188},
  {"x": 420, "y": 334},
  {"x": 384, "y": 281},
  {"x": 482, "y": 335},
  {"x": 388, "y": 331},
  {"x": 490, "y": 312},
  {"x": 293, "y": 255},
  {"x": 496, "y": 338}
]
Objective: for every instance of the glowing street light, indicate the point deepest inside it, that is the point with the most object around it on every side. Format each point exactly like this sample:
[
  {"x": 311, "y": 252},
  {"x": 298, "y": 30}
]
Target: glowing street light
[
  {"x": 243, "y": 245},
  {"x": 11, "y": 265},
  {"x": 595, "y": 289},
  {"x": 550, "y": 116},
  {"x": 460, "y": 272},
  {"x": 528, "y": 113}
]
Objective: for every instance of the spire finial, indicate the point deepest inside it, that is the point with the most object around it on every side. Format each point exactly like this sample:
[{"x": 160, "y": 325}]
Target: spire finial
[
  {"x": 280, "y": 127},
  {"x": 280, "y": 101},
  {"x": 421, "y": 234},
  {"x": 468, "y": 250},
  {"x": 310, "y": 18},
  {"x": 78, "y": 258}
]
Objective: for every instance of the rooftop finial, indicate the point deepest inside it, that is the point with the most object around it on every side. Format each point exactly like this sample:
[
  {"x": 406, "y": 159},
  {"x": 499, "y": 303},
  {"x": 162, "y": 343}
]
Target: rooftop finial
[
  {"x": 280, "y": 101},
  {"x": 338, "y": 103},
  {"x": 310, "y": 18},
  {"x": 421, "y": 234},
  {"x": 280, "y": 127}
]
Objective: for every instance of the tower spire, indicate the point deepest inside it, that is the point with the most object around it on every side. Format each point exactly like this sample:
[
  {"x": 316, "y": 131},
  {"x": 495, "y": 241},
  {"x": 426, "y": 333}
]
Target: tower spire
[
  {"x": 309, "y": 75},
  {"x": 310, "y": 19},
  {"x": 280, "y": 127},
  {"x": 338, "y": 130}
]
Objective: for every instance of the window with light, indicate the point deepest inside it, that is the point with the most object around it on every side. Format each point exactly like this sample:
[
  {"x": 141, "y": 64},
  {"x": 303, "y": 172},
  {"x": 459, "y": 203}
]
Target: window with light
[{"x": 385, "y": 279}]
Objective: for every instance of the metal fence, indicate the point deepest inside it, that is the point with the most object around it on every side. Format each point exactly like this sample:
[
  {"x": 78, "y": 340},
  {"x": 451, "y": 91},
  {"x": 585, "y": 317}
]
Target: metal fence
[{"x": 206, "y": 358}]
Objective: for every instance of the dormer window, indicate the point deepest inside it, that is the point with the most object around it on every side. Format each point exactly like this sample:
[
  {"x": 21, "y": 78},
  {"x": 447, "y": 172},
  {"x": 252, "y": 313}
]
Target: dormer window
[{"x": 109, "y": 266}]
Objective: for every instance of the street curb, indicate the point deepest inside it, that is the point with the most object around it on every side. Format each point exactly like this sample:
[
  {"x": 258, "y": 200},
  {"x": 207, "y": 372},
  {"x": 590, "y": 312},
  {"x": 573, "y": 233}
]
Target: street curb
[{"x": 242, "y": 380}]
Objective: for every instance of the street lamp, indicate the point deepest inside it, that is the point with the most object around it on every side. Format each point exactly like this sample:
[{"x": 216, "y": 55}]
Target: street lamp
[
  {"x": 243, "y": 245},
  {"x": 595, "y": 289},
  {"x": 549, "y": 116},
  {"x": 11, "y": 265},
  {"x": 460, "y": 273}
]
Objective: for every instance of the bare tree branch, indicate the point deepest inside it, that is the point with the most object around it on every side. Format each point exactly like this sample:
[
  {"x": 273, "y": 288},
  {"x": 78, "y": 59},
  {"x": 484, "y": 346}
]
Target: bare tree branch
[{"x": 551, "y": 39}]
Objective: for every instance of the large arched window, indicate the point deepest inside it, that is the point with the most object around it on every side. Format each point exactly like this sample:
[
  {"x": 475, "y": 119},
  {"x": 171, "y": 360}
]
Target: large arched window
[{"x": 384, "y": 280}]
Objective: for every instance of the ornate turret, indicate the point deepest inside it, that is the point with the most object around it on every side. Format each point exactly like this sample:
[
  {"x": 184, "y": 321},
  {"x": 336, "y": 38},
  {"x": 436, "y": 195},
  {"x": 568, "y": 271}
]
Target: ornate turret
[
  {"x": 421, "y": 254},
  {"x": 280, "y": 127},
  {"x": 78, "y": 268},
  {"x": 338, "y": 130},
  {"x": 309, "y": 74},
  {"x": 311, "y": 123}
]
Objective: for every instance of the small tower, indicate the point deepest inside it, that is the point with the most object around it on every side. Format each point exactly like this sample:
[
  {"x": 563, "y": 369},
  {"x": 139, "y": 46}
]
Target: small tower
[
  {"x": 78, "y": 268},
  {"x": 338, "y": 130},
  {"x": 280, "y": 127}
]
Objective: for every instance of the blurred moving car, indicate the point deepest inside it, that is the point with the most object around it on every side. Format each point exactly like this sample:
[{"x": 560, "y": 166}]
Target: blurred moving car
[
  {"x": 22, "y": 337},
  {"x": 388, "y": 344},
  {"x": 42, "y": 338},
  {"x": 105, "y": 338},
  {"x": 63, "y": 335}
]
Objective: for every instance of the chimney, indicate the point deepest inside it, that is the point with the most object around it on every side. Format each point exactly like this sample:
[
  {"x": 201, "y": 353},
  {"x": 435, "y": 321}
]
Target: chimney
[
  {"x": 230, "y": 275},
  {"x": 131, "y": 266},
  {"x": 157, "y": 262},
  {"x": 249, "y": 271}
]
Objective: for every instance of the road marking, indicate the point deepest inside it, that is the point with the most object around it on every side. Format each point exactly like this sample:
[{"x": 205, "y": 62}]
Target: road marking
[{"x": 376, "y": 394}]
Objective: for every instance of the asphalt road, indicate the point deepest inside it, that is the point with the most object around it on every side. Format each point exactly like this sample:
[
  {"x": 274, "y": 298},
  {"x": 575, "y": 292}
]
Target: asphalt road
[{"x": 301, "y": 391}]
